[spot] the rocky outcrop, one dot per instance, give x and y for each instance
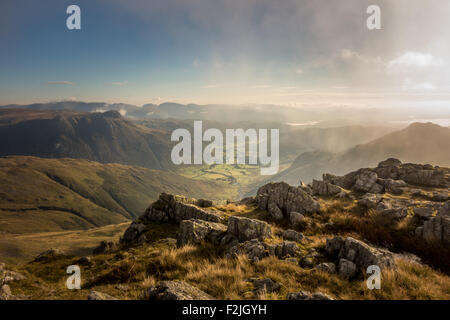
(366, 181)
(358, 252)
(134, 233)
(6, 277)
(305, 295)
(171, 209)
(392, 176)
(247, 229)
(174, 208)
(323, 188)
(197, 231)
(436, 229)
(392, 210)
(257, 250)
(175, 290)
(280, 199)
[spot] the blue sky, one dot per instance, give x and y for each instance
(294, 52)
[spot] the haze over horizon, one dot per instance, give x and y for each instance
(294, 53)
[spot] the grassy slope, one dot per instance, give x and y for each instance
(43, 195)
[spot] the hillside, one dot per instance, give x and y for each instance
(309, 242)
(418, 143)
(41, 195)
(103, 137)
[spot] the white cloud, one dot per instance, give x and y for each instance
(412, 59)
(418, 86)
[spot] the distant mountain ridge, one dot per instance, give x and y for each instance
(104, 137)
(418, 143)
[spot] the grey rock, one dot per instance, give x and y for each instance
(424, 212)
(254, 249)
(366, 181)
(197, 231)
(176, 290)
(304, 295)
(175, 208)
(296, 219)
(323, 188)
(440, 196)
(246, 229)
(328, 267)
(359, 252)
(287, 249)
(264, 285)
(292, 235)
(134, 233)
(436, 229)
(347, 269)
(370, 200)
(280, 199)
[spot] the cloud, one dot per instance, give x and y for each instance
(299, 71)
(413, 59)
(70, 83)
(418, 86)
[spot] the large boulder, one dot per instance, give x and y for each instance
(391, 211)
(176, 290)
(246, 229)
(196, 231)
(366, 181)
(323, 188)
(174, 208)
(257, 250)
(358, 252)
(254, 249)
(436, 229)
(280, 199)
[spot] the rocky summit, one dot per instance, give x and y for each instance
(287, 242)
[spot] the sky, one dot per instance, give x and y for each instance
(286, 52)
